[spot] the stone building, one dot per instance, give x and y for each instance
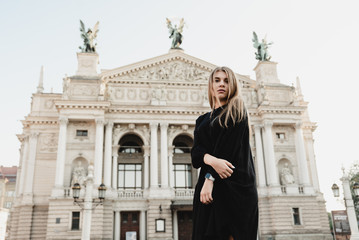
(7, 196)
(134, 124)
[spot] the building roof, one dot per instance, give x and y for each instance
(8, 172)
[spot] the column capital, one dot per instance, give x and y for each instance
(267, 123)
(298, 124)
(63, 120)
(115, 150)
(164, 125)
(109, 123)
(153, 125)
(170, 150)
(257, 126)
(33, 135)
(100, 121)
(146, 150)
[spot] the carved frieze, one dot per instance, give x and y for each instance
(48, 142)
(173, 71)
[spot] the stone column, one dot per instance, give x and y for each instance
(170, 164)
(143, 225)
(154, 155)
(313, 166)
(114, 165)
(24, 158)
(87, 210)
(259, 155)
(108, 146)
(30, 168)
(272, 171)
(175, 225)
(117, 225)
(98, 152)
(61, 153)
(146, 169)
(301, 156)
(350, 207)
(164, 155)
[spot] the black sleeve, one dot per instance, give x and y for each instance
(198, 150)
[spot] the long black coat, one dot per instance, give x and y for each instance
(234, 210)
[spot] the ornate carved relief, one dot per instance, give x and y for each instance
(175, 130)
(174, 71)
(48, 142)
(141, 130)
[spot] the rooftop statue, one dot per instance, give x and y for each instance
(262, 48)
(175, 33)
(88, 37)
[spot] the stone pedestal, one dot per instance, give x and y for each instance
(87, 64)
(266, 72)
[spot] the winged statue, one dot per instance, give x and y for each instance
(89, 37)
(175, 33)
(262, 48)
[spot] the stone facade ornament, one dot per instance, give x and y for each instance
(262, 48)
(89, 37)
(78, 174)
(175, 33)
(286, 175)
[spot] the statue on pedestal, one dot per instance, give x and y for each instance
(262, 48)
(78, 174)
(286, 176)
(175, 33)
(88, 37)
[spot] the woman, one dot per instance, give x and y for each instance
(225, 204)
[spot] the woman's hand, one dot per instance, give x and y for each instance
(221, 166)
(206, 192)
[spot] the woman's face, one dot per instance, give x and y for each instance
(220, 87)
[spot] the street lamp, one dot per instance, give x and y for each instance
(86, 203)
(349, 203)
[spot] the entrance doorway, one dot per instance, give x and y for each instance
(184, 225)
(130, 226)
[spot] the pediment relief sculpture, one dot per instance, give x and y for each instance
(177, 71)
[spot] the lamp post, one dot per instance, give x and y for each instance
(349, 203)
(86, 203)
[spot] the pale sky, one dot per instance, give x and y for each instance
(315, 40)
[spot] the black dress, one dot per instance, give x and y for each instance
(234, 210)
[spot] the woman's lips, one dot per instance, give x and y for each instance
(221, 91)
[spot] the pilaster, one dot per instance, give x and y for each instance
(98, 151)
(164, 155)
(154, 155)
(107, 163)
(61, 153)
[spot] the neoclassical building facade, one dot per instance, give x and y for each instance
(134, 124)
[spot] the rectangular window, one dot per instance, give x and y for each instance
(296, 216)
(280, 136)
(8, 204)
(182, 175)
(10, 193)
(75, 223)
(81, 133)
(130, 176)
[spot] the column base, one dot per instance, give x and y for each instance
(354, 236)
(274, 190)
(27, 199)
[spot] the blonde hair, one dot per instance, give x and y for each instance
(234, 110)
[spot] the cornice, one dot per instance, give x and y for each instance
(149, 82)
(156, 111)
(81, 105)
(279, 110)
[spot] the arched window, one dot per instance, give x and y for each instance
(130, 162)
(183, 173)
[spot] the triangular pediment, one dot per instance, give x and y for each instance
(175, 66)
